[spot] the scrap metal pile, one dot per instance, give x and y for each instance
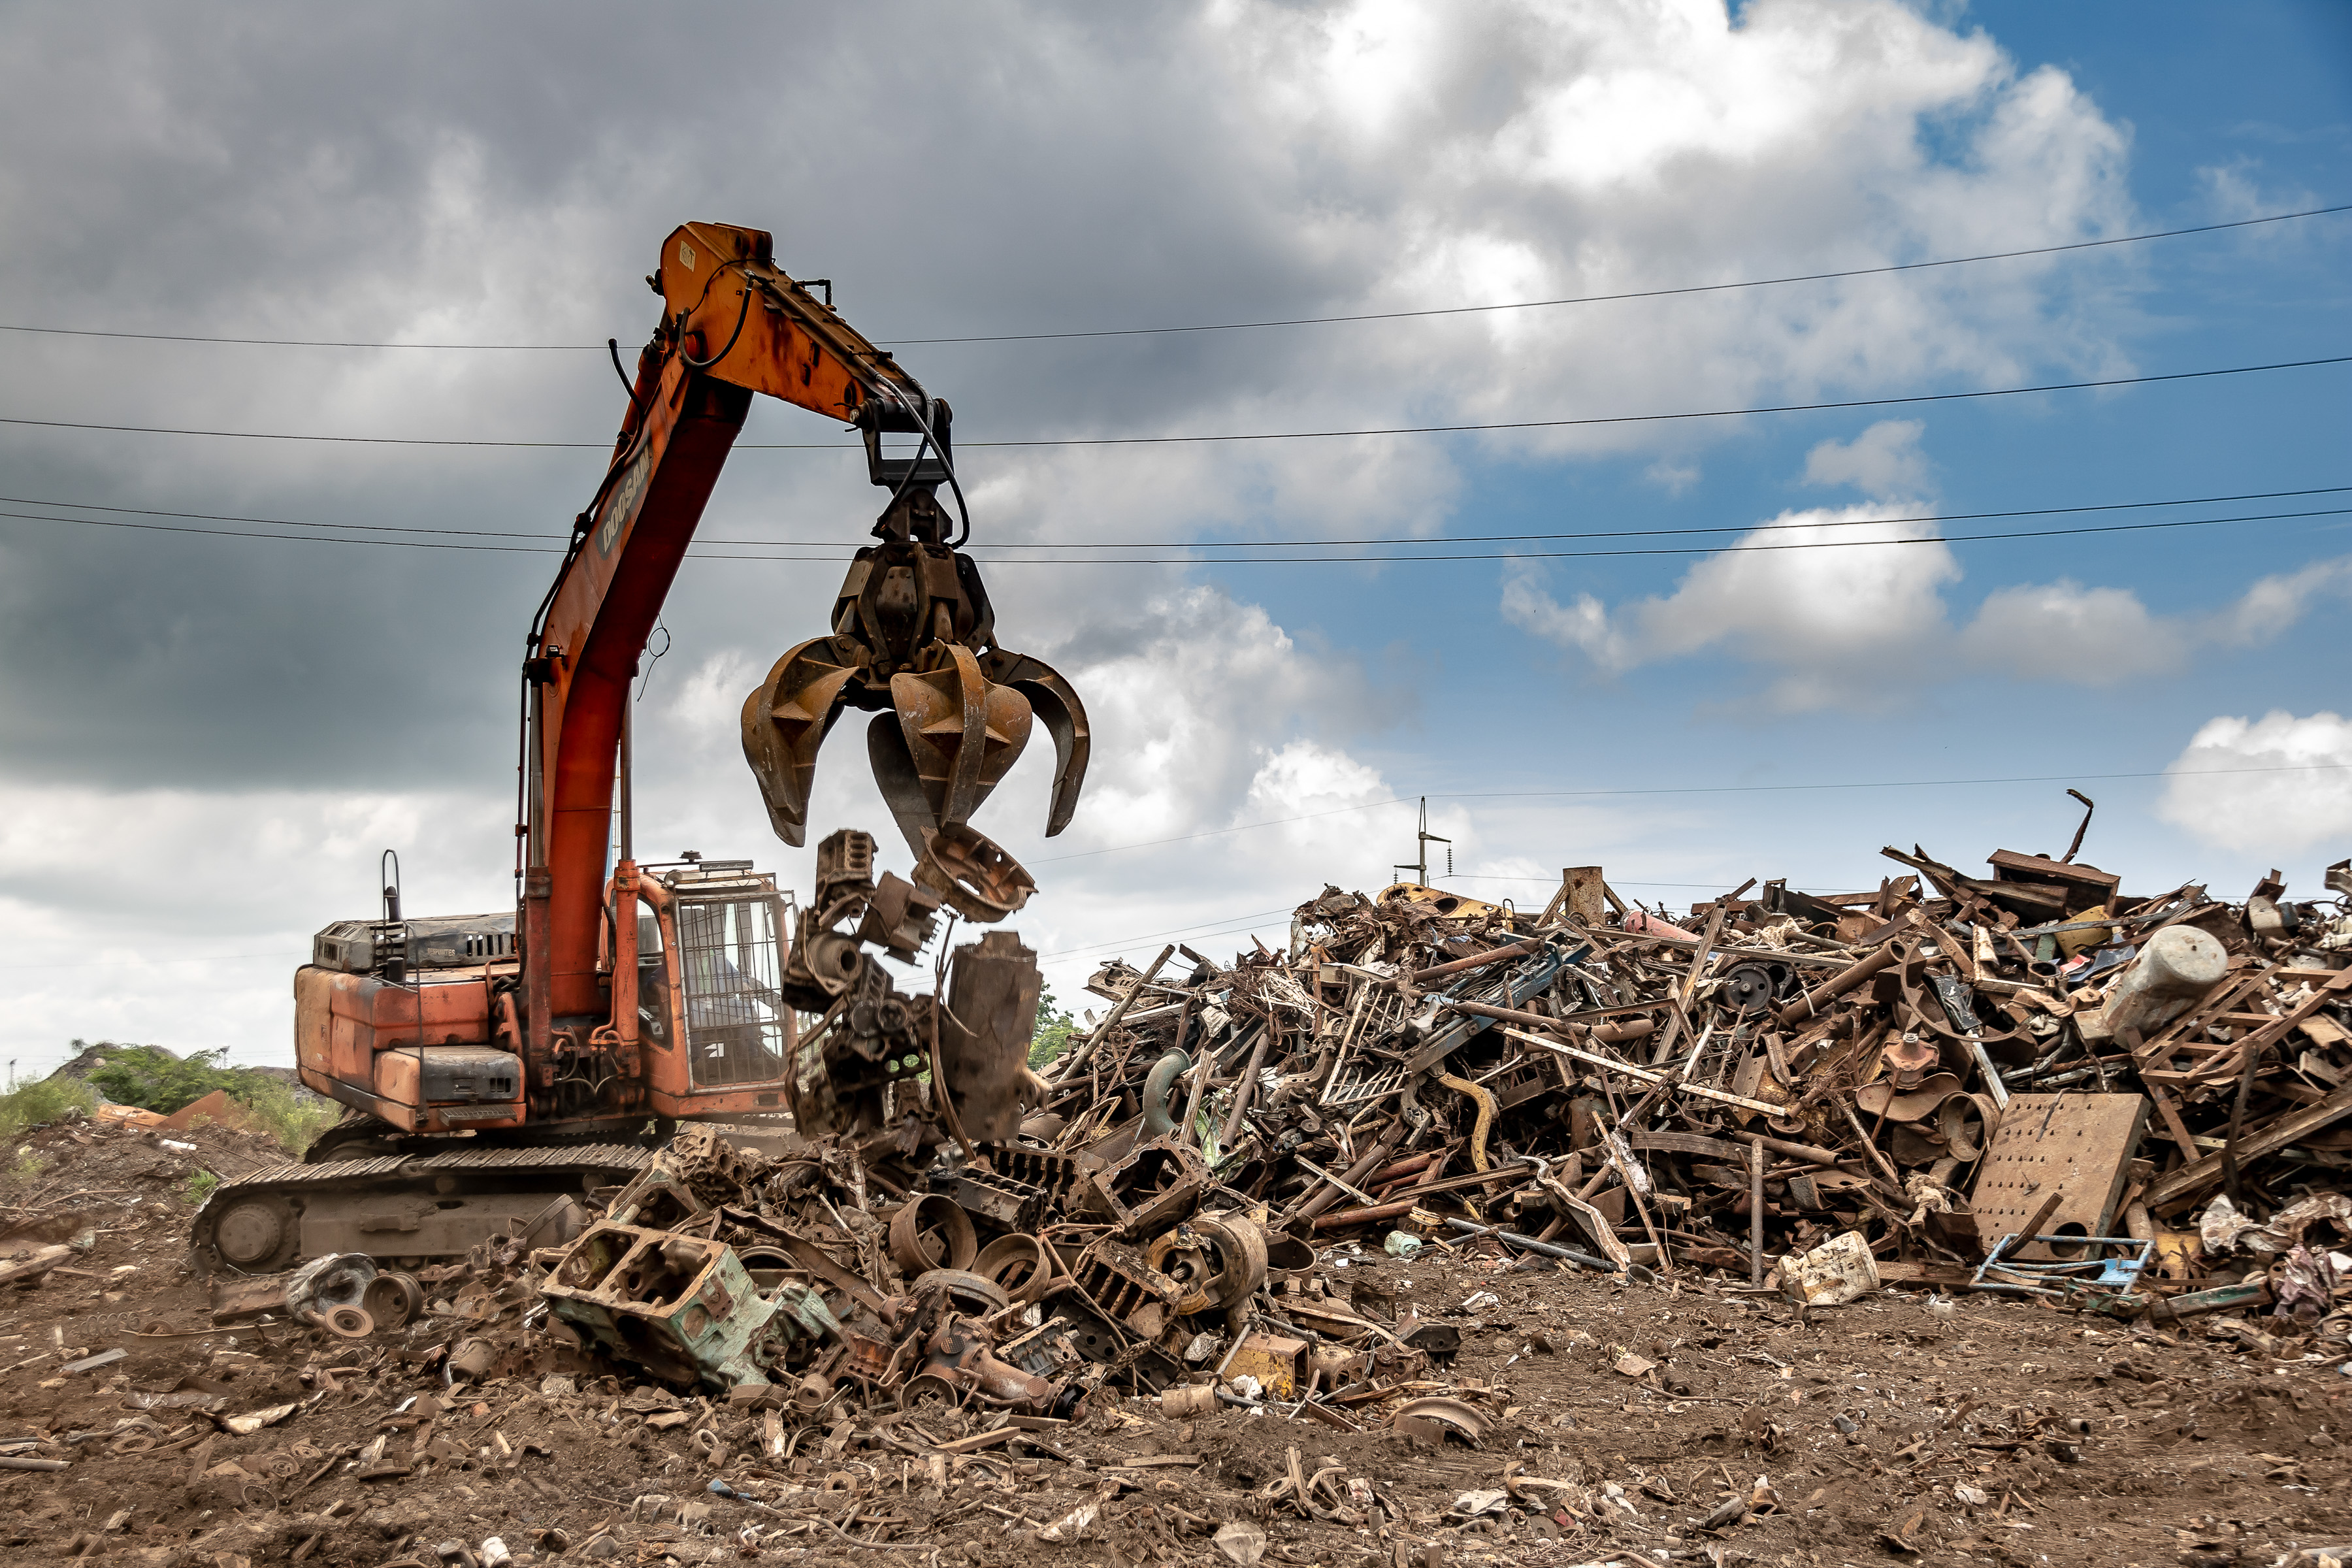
(2016, 1082)
(1947, 1081)
(837, 1274)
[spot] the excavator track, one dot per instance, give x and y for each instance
(401, 1209)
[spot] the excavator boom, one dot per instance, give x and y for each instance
(913, 635)
(734, 324)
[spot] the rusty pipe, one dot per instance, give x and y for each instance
(1810, 1153)
(1808, 1004)
(1404, 1167)
(1002, 1380)
(1345, 1217)
(1607, 1034)
(1476, 961)
(1245, 1090)
(1353, 1175)
(625, 950)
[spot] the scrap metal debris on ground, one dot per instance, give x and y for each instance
(1192, 1259)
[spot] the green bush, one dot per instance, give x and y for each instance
(1051, 1035)
(155, 1079)
(38, 1103)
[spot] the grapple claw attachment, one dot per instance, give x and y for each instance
(913, 638)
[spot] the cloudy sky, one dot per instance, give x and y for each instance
(234, 668)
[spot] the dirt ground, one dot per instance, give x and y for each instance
(2003, 1431)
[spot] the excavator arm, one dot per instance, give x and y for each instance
(912, 636)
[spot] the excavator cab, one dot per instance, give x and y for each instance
(724, 925)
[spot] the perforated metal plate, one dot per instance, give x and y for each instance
(2081, 1144)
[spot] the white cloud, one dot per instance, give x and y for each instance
(1672, 474)
(1537, 151)
(1583, 625)
(2064, 631)
(1884, 460)
(2308, 802)
(2234, 192)
(1367, 155)
(1858, 627)
(2099, 636)
(1843, 626)
(2272, 606)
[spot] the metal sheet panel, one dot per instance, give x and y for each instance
(2081, 1144)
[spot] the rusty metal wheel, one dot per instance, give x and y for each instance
(394, 1299)
(254, 1234)
(347, 1323)
(932, 1231)
(1023, 1267)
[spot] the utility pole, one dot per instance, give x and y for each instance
(1422, 839)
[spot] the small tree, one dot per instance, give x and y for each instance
(1052, 1036)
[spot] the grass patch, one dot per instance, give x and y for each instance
(295, 1121)
(199, 1187)
(42, 1101)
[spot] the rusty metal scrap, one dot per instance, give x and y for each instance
(1607, 1085)
(1999, 1083)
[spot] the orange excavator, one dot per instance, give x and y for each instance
(495, 1067)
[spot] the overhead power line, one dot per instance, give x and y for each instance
(1418, 541)
(1629, 294)
(1751, 545)
(1257, 325)
(1597, 419)
(1433, 539)
(842, 554)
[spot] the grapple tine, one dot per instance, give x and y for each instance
(901, 785)
(961, 731)
(1055, 702)
(786, 720)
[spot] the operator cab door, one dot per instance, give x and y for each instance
(738, 1025)
(655, 1018)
